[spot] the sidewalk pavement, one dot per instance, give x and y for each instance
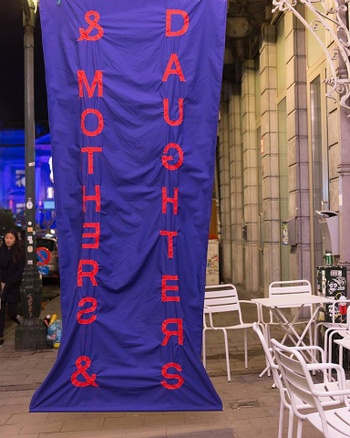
(250, 403)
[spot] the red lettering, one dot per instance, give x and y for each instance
(83, 364)
(166, 159)
(100, 122)
(166, 287)
(166, 375)
(97, 81)
(168, 333)
(95, 236)
(96, 197)
(174, 200)
(89, 274)
(90, 151)
(186, 22)
(90, 309)
(173, 71)
(166, 112)
(85, 33)
(170, 235)
(177, 24)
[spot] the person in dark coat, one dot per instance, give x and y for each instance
(12, 263)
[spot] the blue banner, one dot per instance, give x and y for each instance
(133, 97)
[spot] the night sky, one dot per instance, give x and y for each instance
(12, 67)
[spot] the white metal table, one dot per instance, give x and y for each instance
(279, 305)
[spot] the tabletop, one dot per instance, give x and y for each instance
(291, 300)
(344, 342)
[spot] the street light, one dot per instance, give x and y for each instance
(31, 334)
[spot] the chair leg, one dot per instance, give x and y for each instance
(328, 345)
(245, 349)
(280, 426)
(311, 337)
(204, 350)
(265, 331)
(227, 356)
(300, 428)
(290, 423)
(330, 350)
(316, 334)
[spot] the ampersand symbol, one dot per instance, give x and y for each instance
(81, 369)
(93, 24)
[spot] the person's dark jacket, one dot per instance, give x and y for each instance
(11, 273)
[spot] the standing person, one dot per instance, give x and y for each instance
(12, 262)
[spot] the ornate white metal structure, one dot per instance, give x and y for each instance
(332, 15)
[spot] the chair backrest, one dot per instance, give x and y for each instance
(221, 298)
(290, 287)
(297, 380)
(294, 287)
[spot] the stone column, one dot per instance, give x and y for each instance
(236, 184)
(250, 182)
(224, 192)
(298, 155)
(269, 151)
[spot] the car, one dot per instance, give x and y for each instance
(47, 256)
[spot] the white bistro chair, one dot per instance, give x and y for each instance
(283, 288)
(334, 325)
(325, 385)
(333, 331)
(221, 304)
(333, 422)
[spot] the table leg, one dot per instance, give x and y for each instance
(340, 355)
(291, 333)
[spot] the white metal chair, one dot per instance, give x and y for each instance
(285, 403)
(333, 422)
(338, 321)
(342, 330)
(222, 300)
(282, 288)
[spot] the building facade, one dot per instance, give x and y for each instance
(284, 147)
(12, 177)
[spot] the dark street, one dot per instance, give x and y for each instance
(51, 289)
